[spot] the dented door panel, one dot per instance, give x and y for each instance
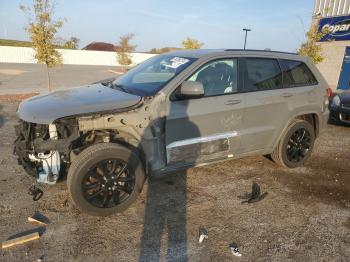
(204, 129)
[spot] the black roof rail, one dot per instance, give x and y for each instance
(256, 50)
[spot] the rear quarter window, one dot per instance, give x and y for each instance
(262, 74)
(297, 73)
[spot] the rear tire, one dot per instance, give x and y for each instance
(105, 179)
(296, 145)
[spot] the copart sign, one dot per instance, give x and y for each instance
(337, 28)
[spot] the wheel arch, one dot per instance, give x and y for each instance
(310, 116)
(122, 138)
(313, 119)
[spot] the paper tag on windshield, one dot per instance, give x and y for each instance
(177, 61)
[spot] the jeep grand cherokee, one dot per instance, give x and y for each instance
(171, 112)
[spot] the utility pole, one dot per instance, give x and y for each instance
(246, 33)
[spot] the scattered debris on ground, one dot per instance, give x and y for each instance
(20, 240)
(38, 219)
(29, 235)
(303, 218)
(254, 196)
(202, 233)
(36, 192)
(235, 250)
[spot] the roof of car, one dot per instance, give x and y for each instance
(198, 53)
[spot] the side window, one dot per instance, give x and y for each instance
(218, 77)
(262, 74)
(297, 73)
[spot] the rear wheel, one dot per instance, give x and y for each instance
(296, 145)
(105, 179)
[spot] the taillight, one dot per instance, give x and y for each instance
(329, 92)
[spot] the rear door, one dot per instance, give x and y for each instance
(266, 109)
(299, 81)
(208, 128)
(276, 90)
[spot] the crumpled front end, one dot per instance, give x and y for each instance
(43, 150)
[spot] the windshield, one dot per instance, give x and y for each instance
(149, 77)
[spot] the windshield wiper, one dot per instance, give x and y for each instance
(120, 87)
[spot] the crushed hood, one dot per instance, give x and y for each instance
(44, 109)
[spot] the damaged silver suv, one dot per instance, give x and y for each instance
(173, 111)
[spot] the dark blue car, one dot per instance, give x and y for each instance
(340, 108)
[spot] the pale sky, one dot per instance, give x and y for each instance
(276, 24)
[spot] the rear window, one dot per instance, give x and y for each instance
(262, 74)
(297, 73)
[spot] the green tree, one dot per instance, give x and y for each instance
(311, 47)
(42, 30)
(72, 43)
(190, 43)
(124, 48)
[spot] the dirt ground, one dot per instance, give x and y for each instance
(305, 216)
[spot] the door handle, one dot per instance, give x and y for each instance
(287, 95)
(233, 102)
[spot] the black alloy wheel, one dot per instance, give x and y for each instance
(298, 145)
(108, 183)
(295, 145)
(105, 179)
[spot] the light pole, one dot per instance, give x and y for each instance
(246, 33)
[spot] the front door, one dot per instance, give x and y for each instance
(207, 128)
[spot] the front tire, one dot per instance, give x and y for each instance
(105, 179)
(296, 145)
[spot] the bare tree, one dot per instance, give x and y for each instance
(42, 30)
(124, 48)
(72, 43)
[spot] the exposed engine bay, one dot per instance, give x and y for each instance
(50, 163)
(43, 150)
(47, 150)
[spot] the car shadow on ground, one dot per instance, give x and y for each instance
(165, 208)
(165, 217)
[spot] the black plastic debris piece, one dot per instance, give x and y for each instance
(254, 196)
(202, 234)
(36, 192)
(235, 250)
(41, 217)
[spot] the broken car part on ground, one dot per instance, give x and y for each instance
(254, 196)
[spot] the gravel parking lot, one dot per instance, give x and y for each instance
(305, 216)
